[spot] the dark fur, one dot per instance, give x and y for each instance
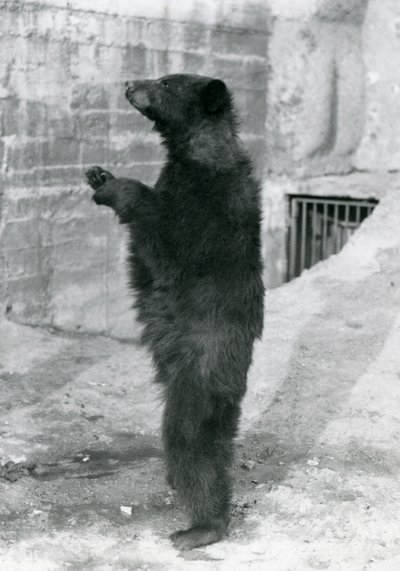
(195, 261)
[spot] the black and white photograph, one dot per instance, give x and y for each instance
(199, 285)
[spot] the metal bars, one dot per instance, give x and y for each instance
(319, 227)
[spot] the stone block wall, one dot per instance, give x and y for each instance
(62, 109)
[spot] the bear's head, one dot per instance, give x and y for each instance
(182, 105)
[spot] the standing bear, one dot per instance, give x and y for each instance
(196, 270)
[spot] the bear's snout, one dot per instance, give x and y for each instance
(137, 93)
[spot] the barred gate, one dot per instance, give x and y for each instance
(319, 227)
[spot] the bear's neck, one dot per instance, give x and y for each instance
(214, 146)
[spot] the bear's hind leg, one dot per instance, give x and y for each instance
(198, 434)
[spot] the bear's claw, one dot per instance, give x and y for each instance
(97, 176)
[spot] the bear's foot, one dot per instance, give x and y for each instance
(196, 537)
(97, 176)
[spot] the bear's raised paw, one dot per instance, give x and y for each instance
(97, 176)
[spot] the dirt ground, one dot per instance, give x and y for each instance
(318, 457)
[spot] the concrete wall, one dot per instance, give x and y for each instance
(316, 89)
(380, 145)
(62, 106)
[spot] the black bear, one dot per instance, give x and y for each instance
(195, 266)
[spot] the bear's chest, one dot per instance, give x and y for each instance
(189, 215)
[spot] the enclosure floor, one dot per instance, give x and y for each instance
(318, 457)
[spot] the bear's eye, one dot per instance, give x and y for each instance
(165, 83)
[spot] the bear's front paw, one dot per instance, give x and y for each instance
(105, 196)
(97, 176)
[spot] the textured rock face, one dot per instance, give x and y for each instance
(334, 86)
(380, 145)
(316, 91)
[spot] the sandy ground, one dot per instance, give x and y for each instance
(318, 458)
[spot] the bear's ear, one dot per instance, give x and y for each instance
(214, 95)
